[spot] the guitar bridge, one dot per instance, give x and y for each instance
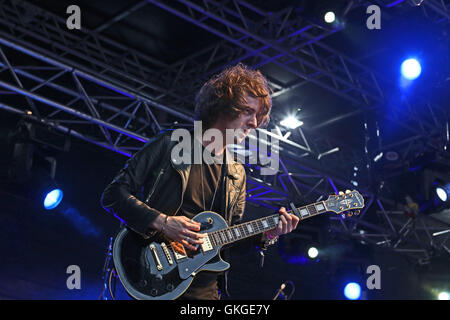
(167, 253)
(155, 255)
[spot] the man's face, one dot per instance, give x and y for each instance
(246, 121)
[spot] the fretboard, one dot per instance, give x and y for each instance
(251, 228)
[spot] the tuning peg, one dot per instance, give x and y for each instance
(343, 216)
(341, 193)
(357, 212)
(347, 191)
(349, 214)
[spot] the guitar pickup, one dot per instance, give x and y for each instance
(207, 245)
(178, 250)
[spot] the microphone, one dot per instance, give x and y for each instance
(280, 291)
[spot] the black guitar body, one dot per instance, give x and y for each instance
(150, 270)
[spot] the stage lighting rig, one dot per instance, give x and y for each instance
(333, 12)
(411, 69)
(291, 122)
(313, 252)
(329, 17)
(352, 291)
(32, 165)
(443, 191)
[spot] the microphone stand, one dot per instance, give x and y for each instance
(106, 269)
(281, 292)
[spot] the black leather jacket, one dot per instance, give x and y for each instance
(134, 196)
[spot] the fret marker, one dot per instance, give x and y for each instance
(249, 227)
(320, 207)
(265, 225)
(303, 212)
(237, 232)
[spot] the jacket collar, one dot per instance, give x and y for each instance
(232, 170)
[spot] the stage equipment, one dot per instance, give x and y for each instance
(329, 17)
(280, 292)
(291, 122)
(443, 192)
(108, 272)
(31, 168)
(352, 291)
(53, 199)
(411, 69)
(313, 252)
(443, 296)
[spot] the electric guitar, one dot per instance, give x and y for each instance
(158, 269)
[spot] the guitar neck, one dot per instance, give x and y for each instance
(258, 226)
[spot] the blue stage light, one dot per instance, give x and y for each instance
(411, 69)
(443, 192)
(352, 291)
(53, 199)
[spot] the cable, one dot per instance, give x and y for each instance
(109, 283)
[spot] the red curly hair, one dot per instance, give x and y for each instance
(223, 96)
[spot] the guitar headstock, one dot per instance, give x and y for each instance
(350, 201)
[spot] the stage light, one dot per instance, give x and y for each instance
(329, 17)
(291, 122)
(53, 199)
(411, 69)
(352, 291)
(313, 252)
(443, 192)
(443, 296)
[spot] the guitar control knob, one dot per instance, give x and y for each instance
(210, 220)
(154, 292)
(170, 287)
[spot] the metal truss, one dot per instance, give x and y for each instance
(418, 236)
(65, 99)
(88, 51)
(302, 56)
(437, 11)
(77, 103)
(317, 63)
(97, 58)
(143, 77)
(305, 58)
(69, 100)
